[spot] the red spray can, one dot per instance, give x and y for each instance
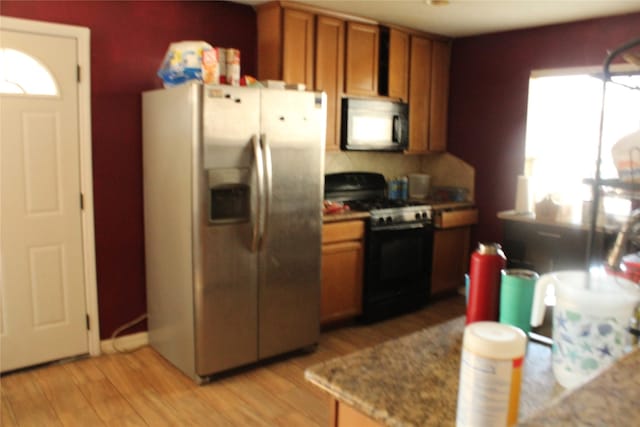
(484, 282)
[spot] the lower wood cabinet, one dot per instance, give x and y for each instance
(342, 266)
(343, 415)
(451, 249)
(450, 259)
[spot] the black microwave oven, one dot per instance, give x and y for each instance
(374, 125)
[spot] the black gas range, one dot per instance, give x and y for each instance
(398, 243)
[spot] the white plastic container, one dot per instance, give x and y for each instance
(590, 318)
(490, 374)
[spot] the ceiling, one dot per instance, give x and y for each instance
(462, 18)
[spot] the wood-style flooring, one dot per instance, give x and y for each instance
(141, 388)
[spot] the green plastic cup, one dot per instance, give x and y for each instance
(516, 297)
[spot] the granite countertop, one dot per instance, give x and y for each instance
(413, 381)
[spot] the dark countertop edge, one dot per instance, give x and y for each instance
(530, 218)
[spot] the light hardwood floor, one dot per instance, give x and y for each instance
(142, 389)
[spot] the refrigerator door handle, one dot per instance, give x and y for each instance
(269, 184)
(259, 162)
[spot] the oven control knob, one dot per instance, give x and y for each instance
(424, 215)
(380, 221)
(388, 220)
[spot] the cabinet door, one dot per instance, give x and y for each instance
(341, 295)
(362, 59)
(419, 95)
(441, 58)
(269, 35)
(398, 64)
(450, 259)
(329, 72)
(297, 47)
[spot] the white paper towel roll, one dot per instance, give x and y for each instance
(523, 198)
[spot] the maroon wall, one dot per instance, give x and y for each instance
(128, 42)
(488, 99)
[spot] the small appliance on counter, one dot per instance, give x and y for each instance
(419, 185)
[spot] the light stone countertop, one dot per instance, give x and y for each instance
(413, 381)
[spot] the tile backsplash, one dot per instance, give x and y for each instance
(388, 164)
(445, 169)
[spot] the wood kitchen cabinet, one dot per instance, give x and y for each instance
(419, 94)
(362, 59)
(451, 249)
(439, 108)
(394, 64)
(299, 46)
(286, 44)
(329, 72)
(428, 95)
(450, 259)
(342, 266)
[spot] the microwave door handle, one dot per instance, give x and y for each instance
(396, 129)
(259, 165)
(268, 168)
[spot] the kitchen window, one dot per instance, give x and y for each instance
(563, 128)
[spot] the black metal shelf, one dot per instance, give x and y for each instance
(616, 187)
(624, 189)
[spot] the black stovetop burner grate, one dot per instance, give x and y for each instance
(377, 203)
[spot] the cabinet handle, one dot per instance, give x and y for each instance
(552, 235)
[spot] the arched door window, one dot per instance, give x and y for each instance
(21, 74)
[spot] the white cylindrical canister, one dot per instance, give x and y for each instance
(490, 374)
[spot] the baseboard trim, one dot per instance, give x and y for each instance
(125, 343)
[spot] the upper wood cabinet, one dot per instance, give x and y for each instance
(340, 55)
(297, 47)
(361, 66)
(428, 95)
(419, 94)
(398, 64)
(329, 72)
(302, 47)
(440, 68)
(285, 44)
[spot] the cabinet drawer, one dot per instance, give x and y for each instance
(342, 231)
(456, 218)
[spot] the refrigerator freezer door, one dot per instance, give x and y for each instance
(293, 129)
(226, 291)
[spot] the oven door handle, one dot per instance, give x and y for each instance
(410, 226)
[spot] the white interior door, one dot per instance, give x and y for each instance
(42, 288)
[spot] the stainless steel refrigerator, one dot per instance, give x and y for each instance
(233, 188)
